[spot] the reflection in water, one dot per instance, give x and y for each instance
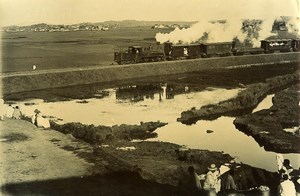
(133, 104)
(138, 93)
(111, 111)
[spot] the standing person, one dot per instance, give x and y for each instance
(286, 187)
(2, 109)
(286, 168)
(17, 113)
(212, 183)
(194, 179)
(228, 185)
(34, 116)
(9, 111)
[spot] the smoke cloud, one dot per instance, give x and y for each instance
(245, 31)
(293, 26)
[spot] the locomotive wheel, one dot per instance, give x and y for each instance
(146, 60)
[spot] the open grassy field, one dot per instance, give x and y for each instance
(55, 50)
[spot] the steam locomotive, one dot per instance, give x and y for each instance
(138, 54)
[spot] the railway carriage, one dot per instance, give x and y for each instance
(188, 51)
(216, 49)
(278, 45)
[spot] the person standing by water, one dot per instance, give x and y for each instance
(228, 184)
(9, 111)
(194, 179)
(212, 183)
(34, 116)
(17, 113)
(2, 109)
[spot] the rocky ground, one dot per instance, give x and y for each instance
(267, 126)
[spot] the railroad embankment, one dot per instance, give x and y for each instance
(45, 79)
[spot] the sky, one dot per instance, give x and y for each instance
(25, 12)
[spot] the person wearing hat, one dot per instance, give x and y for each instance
(40, 121)
(286, 168)
(212, 183)
(34, 116)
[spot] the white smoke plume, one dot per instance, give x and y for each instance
(293, 26)
(264, 31)
(211, 32)
(220, 31)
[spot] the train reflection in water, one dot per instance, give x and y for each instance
(138, 93)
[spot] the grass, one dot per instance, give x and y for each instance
(54, 50)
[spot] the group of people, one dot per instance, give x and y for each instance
(289, 178)
(9, 111)
(211, 183)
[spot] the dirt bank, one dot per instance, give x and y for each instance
(267, 126)
(32, 154)
(245, 101)
(29, 81)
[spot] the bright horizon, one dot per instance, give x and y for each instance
(27, 12)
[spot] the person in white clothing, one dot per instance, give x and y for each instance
(2, 109)
(286, 187)
(38, 120)
(42, 122)
(212, 183)
(9, 111)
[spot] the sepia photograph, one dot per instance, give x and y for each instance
(150, 97)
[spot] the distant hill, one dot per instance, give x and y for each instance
(121, 23)
(136, 23)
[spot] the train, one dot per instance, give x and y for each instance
(138, 54)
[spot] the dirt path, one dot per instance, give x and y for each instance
(29, 154)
